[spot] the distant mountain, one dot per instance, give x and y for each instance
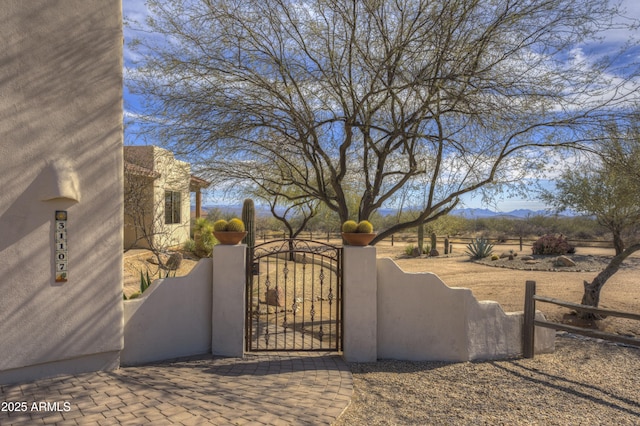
(473, 213)
(233, 209)
(469, 213)
(526, 212)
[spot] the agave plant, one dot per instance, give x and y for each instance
(479, 248)
(145, 282)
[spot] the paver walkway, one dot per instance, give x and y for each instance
(259, 389)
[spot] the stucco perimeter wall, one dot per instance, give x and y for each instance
(60, 149)
(171, 319)
(421, 319)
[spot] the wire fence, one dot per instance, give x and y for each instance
(411, 238)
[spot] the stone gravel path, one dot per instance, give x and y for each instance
(585, 382)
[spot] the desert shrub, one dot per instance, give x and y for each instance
(552, 244)
(189, 246)
(479, 248)
(408, 250)
(204, 239)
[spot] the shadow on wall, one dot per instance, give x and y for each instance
(55, 185)
(61, 132)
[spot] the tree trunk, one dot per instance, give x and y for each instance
(618, 243)
(591, 296)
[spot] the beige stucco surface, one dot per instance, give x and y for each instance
(60, 149)
(420, 318)
(171, 319)
(360, 314)
(228, 298)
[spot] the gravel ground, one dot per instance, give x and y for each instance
(583, 263)
(585, 382)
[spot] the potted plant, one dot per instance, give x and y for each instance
(229, 233)
(358, 234)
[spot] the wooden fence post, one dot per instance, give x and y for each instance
(528, 328)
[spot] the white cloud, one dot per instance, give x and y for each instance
(631, 10)
(135, 13)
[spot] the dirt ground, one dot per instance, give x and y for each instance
(139, 260)
(501, 284)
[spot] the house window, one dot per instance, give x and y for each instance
(172, 203)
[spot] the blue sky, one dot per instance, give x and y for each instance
(136, 10)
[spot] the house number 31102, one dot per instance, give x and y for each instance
(61, 253)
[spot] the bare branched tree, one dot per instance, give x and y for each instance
(370, 96)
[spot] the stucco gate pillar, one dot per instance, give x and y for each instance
(360, 313)
(228, 313)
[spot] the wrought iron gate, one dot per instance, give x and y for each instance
(294, 296)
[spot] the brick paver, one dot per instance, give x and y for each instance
(269, 389)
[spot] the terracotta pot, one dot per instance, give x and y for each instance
(358, 238)
(229, 238)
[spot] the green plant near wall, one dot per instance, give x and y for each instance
(204, 239)
(190, 246)
(145, 281)
(479, 248)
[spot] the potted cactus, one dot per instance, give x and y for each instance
(229, 233)
(358, 234)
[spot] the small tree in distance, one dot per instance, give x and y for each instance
(607, 187)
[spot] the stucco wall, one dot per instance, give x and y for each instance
(420, 318)
(60, 149)
(389, 314)
(171, 319)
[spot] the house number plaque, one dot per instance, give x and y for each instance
(61, 252)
